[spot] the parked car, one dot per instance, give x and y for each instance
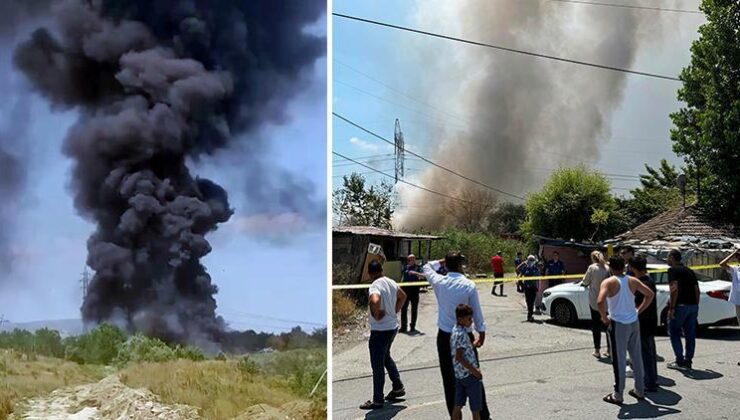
(567, 303)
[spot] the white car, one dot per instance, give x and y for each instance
(567, 303)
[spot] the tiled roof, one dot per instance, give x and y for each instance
(681, 223)
(373, 231)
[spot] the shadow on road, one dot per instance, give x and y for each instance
(644, 410)
(701, 375)
(663, 381)
(664, 397)
(387, 412)
(719, 333)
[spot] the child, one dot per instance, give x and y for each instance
(468, 378)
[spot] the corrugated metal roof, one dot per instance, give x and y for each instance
(374, 231)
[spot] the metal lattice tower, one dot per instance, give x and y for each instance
(85, 280)
(400, 151)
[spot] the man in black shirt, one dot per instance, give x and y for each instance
(683, 310)
(648, 324)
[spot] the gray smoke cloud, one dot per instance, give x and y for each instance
(521, 113)
(13, 174)
(158, 84)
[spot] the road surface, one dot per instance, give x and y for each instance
(540, 371)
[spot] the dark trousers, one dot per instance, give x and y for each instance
(649, 361)
(413, 301)
(684, 318)
(444, 353)
(381, 360)
(498, 283)
(597, 327)
(530, 294)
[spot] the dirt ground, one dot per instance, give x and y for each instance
(107, 399)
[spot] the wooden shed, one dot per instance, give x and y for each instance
(351, 246)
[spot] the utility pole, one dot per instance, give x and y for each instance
(400, 150)
(2, 321)
(85, 282)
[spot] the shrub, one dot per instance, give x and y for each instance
(301, 370)
(140, 348)
(189, 352)
(99, 346)
(248, 367)
(343, 308)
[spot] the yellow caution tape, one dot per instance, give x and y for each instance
(511, 279)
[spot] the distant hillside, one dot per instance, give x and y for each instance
(64, 326)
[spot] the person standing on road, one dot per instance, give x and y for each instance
(735, 276)
(541, 285)
(735, 288)
(627, 253)
(411, 273)
(529, 269)
(648, 325)
(386, 300)
(595, 274)
(452, 290)
(617, 298)
(497, 265)
(517, 262)
(683, 310)
(468, 377)
(554, 267)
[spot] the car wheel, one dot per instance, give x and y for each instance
(563, 312)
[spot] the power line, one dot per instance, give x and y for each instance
(404, 181)
(512, 50)
(625, 6)
(380, 82)
(425, 159)
(252, 315)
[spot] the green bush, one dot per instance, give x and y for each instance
(140, 348)
(189, 352)
(99, 346)
(478, 248)
(301, 369)
(248, 367)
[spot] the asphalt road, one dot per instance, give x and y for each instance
(540, 371)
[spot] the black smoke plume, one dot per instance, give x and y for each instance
(158, 84)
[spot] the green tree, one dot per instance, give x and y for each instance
(658, 192)
(575, 203)
(706, 130)
(359, 205)
(507, 218)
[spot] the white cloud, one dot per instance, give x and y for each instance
(364, 145)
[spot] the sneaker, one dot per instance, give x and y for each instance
(676, 365)
(369, 405)
(395, 394)
(403, 330)
(629, 373)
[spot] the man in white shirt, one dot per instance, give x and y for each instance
(386, 300)
(452, 290)
(735, 277)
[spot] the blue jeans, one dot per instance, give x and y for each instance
(381, 360)
(684, 318)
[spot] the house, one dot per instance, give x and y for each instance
(700, 239)
(355, 246)
(575, 255)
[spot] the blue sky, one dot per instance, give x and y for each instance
(393, 61)
(254, 276)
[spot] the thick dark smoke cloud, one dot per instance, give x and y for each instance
(157, 84)
(523, 115)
